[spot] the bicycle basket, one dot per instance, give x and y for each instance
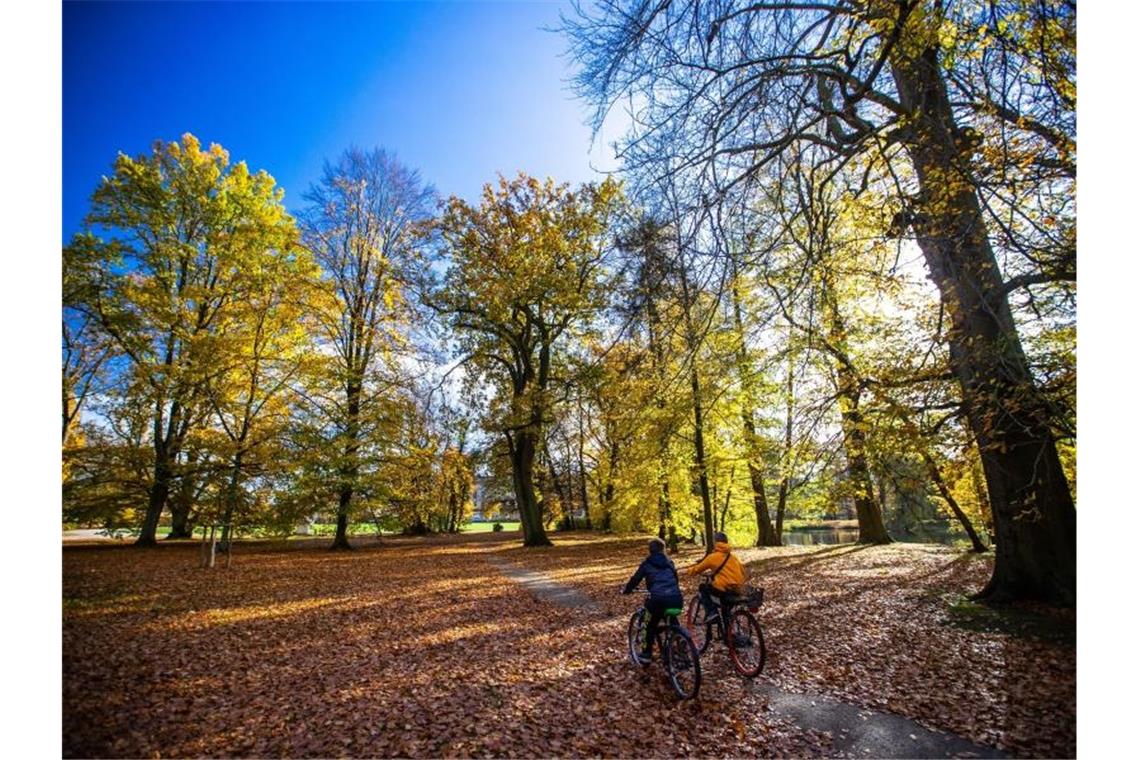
(752, 597)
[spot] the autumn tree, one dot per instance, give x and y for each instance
(972, 108)
(525, 267)
(456, 485)
(617, 397)
(361, 226)
(645, 306)
(169, 240)
(746, 369)
(268, 338)
(678, 249)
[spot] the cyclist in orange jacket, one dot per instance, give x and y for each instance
(727, 574)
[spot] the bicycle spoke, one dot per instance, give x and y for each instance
(745, 642)
(637, 625)
(682, 663)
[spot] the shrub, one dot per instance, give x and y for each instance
(497, 527)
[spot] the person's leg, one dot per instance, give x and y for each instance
(716, 598)
(740, 639)
(656, 613)
(706, 592)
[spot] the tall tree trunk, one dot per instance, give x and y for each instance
(166, 448)
(727, 498)
(522, 446)
(350, 469)
(181, 507)
(452, 525)
(232, 491)
(786, 459)
(872, 530)
(167, 445)
(156, 499)
(867, 509)
(699, 450)
(781, 505)
(567, 522)
(182, 504)
(765, 533)
(1034, 515)
(936, 476)
(666, 529)
(344, 500)
(692, 344)
(180, 511)
(582, 467)
(607, 505)
(608, 498)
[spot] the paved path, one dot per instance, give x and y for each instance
(543, 588)
(855, 731)
(860, 732)
(90, 534)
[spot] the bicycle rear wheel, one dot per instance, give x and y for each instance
(745, 641)
(637, 625)
(682, 662)
(696, 620)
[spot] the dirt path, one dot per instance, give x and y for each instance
(855, 731)
(545, 589)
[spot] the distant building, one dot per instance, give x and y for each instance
(493, 501)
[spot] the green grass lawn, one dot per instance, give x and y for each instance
(354, 529)
(487, 527)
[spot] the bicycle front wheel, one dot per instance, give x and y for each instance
(637, 625)
(745, 642)
(682, 662)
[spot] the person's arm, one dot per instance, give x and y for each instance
(636, 579)
(704, 564)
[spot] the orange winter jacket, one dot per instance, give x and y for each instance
(730, 576)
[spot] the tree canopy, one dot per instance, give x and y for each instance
(834, 278)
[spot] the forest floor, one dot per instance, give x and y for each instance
(428, 647)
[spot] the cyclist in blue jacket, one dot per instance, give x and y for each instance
(664, 589)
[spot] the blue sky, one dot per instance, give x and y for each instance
(459, 91)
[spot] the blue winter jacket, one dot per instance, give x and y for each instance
(660, 578)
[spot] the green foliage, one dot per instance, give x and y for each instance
(188, 243)
(526, 270)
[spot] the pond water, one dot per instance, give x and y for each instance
(820, 536)
(828, 534)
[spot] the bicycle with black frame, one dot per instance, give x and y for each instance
(733, 621)
(679, 655)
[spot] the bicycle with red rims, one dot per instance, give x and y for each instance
(734, 622)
